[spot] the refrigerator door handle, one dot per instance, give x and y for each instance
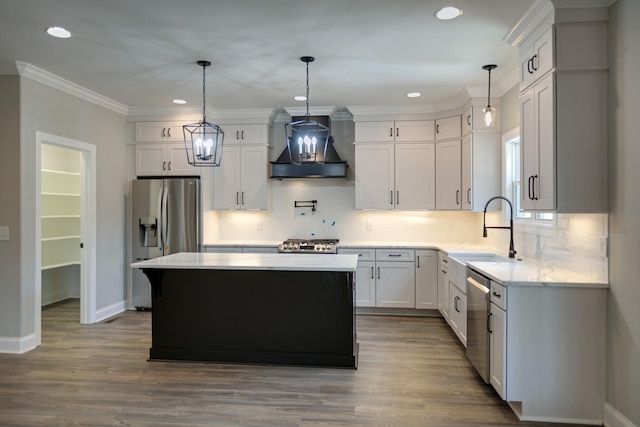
(161, 225)
(165, 220)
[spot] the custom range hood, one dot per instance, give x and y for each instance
(295, 162)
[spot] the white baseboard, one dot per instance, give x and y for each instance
(112, 310)
(18, 345)
(613, 418)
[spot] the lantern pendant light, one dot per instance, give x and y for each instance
(306, 137)
(489, 113)
(203, 140)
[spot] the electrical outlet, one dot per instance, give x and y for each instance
(259, 226)
(4, 233)
(369, 226)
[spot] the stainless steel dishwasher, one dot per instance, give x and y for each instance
(478, 308)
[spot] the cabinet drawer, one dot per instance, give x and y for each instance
(395, 254)
(364, 254)
(499, 295)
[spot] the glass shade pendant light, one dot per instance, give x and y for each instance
(203, 140)
(489, 113)
(305, 137)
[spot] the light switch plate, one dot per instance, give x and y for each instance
(4, 233)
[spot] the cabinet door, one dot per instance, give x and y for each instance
(177, 163)
(227, 178)
(498, 352)
(448, 128)
(528, 146)
(159, 131)
(443, 286)
(467, 121)
(467, 172)
(365, 284)
(374, 176)
(448, 175)
(414, 130)
(545, 135)
(458, 313)
(150, 160)
(245, 134)
(375, 131)
(395, 284)
(427, 279)
(415, 176)
(254, 179)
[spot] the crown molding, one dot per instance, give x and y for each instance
(536, 14)
(581, 4)
(167, 110)
(246, 115)
(37, 74)
(313, 111)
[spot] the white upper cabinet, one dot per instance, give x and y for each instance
(240, 183)
(467, 121)
(395, 176)
(481, 169)
(245, 134)
(448, 128)
(163, 159)
(448, 175)
(398, 131)
(159, 131)
(537, 59)
(563, 111)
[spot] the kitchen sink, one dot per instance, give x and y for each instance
(458, 266)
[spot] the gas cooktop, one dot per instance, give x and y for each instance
(309, 246)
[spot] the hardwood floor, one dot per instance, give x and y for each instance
(412, 372)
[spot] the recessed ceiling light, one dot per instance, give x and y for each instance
(414, 94)
(448, 12)
(58, 32)
(300, 98)
(179, 101)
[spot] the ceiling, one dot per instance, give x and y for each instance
(143, 53)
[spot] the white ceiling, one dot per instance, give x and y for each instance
(142, 53)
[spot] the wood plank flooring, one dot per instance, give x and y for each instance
(412, 372)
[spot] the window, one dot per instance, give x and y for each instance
(513, 185)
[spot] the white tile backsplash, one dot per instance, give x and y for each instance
(571, 241)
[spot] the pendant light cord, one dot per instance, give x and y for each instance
(489, 91)
(204, 95)
(307, 118)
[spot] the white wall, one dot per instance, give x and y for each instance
(623, 338)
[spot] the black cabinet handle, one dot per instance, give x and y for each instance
(237, 134)
(168, 132)
(372, 272)
(533, 63)
(169, 165)
(398, 197)
(495, 294)
(378, 272)
(395, 255)
(237, 197)
(489, 323)
(535, 178)
(391, 197)
(397, 132)
(437, 128)
(469, 119)
(164, 166)
(529, 187)
(242, 134)
(455, 303)
(164, 135)
(457, 197)
(242, 198)
(418, 261)
(391, 132)
(469, 195)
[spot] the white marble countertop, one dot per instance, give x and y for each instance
(234, 261)
(531, 273)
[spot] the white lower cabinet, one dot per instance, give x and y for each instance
(443, 285)
(426, 279)
(384, 277)
(458, 313)
(498, 349)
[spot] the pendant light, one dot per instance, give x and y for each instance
(203, 140)
(489, 113)
(305, 137)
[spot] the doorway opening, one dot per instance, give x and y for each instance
(66, 225)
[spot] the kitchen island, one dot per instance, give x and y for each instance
(291, 309)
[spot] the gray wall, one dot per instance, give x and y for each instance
(623, 375)
(42, 108)
(10, 205)
(510, 108)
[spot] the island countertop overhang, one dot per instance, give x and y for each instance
(247, 261)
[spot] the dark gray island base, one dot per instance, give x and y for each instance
(253, 316)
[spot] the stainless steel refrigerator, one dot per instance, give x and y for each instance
(165, 220)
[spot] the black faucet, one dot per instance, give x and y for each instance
(512, 251)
